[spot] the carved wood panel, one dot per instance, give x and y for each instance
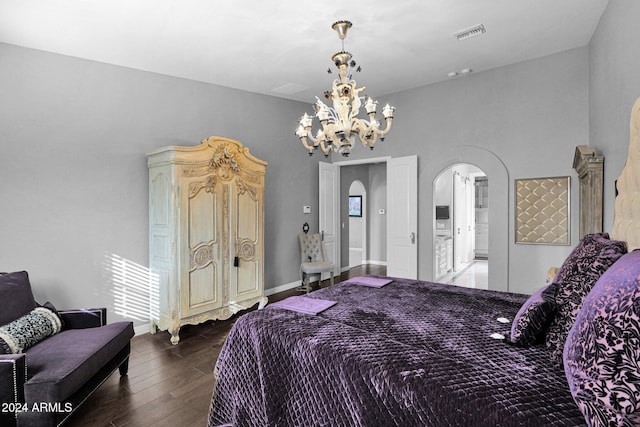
(590, 169)
(211, 205)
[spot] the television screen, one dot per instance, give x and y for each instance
(442, 212)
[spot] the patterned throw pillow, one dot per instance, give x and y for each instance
(28, 330)
(534, 316)
(583, 267)
(602, 352)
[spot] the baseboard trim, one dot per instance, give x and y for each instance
(141, 329)
(282, 288)
(365, 262)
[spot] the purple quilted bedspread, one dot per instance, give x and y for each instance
(408, 354)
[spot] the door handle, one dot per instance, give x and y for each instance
(412, 236)
(322, 235)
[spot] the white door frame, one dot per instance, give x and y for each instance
(374, 160)
(365, 219)
(352, 163)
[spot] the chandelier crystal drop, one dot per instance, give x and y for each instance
(340, 123)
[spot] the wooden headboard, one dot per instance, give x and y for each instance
(626, 222)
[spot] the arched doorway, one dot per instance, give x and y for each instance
(499, 221)
(460, 197)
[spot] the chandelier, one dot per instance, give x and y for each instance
(340, 124)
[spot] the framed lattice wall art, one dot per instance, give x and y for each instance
(542, 210)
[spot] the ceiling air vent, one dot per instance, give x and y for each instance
(476, 30)
(290, 89)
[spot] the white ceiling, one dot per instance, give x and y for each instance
(263, 45)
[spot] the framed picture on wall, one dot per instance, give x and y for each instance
(542, 211)
(355, 206)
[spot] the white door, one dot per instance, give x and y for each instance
(402, 220)
(471, 241)
(329, 211)
(459, 222)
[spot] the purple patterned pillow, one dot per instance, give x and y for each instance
(533, 317)
(602, 352)
(583, 267)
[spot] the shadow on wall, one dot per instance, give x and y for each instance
(131, 287)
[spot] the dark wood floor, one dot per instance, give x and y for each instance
(170, 385)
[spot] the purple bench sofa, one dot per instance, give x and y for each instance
(44, 379)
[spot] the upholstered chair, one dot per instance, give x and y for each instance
(312, 259)
(52, 360)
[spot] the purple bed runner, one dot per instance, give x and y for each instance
(302, 304)
(374, 282)
(407, 354)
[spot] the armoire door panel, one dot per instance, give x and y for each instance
(246, 233)
(159, 245)
(159, 230)
(247, 278)
(160, 205)
(246, 213)
(202, 290)
(203, 265)
(202, 217)
(159, 298)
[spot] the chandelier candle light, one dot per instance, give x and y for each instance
(340, 124)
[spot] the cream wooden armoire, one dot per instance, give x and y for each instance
(206, 238)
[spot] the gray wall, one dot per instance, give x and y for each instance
(614, 85)
(73, 174)
(348, 174)
(529, 116)
(377, 224)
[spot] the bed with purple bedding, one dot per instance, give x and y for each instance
(414, 353)
(410, 353)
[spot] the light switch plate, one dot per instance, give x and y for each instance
(306, 209)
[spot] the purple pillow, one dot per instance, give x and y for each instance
(602, 352)
(16, 296)
(583, 267)
(534, 316)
